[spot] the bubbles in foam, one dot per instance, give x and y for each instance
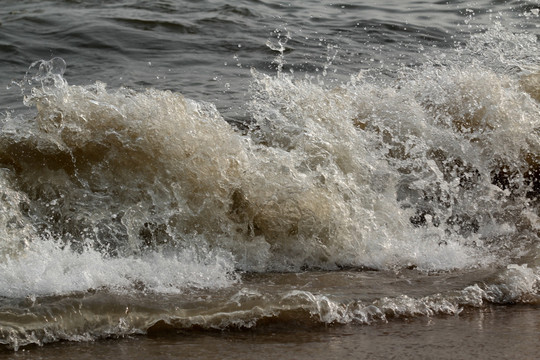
(435, 170)
(47, 268)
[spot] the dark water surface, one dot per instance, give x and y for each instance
(292, 179)
(198, 47)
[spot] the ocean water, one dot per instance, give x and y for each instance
(219, 170)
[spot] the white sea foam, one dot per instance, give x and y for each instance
(436, 170)
(46, 268)
(326, 177)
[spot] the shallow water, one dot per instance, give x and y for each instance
(270, 169)
(489, 333)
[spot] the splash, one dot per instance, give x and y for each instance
(131, 172)
(437, 169)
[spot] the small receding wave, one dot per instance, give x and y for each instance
(100, 314)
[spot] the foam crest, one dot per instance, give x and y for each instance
(424, 150)
(405, 191)
(437, 169)
(47, 268)
(129, 172)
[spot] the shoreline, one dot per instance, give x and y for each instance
(494, 332)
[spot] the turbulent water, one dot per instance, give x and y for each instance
(175, 165)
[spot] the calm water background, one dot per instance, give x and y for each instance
(205, 49)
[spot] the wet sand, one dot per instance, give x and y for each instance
(495, 332)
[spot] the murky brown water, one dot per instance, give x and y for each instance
(496, 332)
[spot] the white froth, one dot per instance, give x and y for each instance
(46, 269)
(434, 170)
